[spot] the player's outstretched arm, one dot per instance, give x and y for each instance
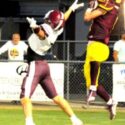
(72, 8)
(93, 11)
(90, 15)
(36, 28)
(99, 7)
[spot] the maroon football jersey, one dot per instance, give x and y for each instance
(102, 26)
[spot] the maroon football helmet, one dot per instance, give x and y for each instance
(55, 19)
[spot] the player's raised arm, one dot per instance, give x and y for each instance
(90, 15)
(97, 8)
(72, 8)
(93, 11)
(36, 28)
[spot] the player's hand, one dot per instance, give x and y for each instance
(76, 6)
(32, 22)
(93, 4)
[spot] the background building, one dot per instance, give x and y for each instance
(13, 13)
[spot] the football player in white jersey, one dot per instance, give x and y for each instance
(39, 43)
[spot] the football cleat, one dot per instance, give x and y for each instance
(77, 122)
(91, 96)
(30, 124)
(112, 111)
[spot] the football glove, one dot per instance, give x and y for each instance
(75, 6)
(32, 22)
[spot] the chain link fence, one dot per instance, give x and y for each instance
(72, 54)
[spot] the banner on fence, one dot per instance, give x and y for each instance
(119, 82)
(10, 81)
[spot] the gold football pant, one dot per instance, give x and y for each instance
(97, 52)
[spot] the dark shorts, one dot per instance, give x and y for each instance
(39, 73)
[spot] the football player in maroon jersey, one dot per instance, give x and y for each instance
(104, 14)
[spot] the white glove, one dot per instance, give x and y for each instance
(32, 22)
(75, 5)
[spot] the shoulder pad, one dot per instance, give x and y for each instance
(106, 4)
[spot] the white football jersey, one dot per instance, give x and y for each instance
(15, 52)
(40, 46)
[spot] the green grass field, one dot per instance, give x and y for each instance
(54, 116)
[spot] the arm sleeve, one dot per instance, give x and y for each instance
(4, 48)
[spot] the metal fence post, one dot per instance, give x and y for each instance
(68, 58)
